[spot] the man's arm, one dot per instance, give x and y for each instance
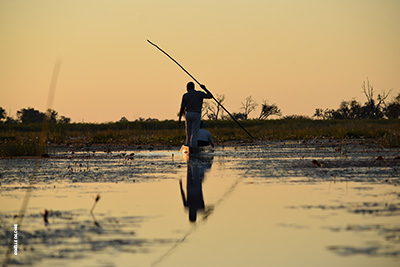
(181, 113)
(208, 95)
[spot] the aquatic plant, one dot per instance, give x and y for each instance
(390, 139)
(22, 147)
(95, 202)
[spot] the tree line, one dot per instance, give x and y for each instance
(31, 115)
(374, 108)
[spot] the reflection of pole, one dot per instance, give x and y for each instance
(182, 194)
(208, 212)
(233, 118)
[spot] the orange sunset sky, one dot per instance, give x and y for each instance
(301, 55)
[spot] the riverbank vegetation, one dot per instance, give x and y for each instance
(22, 139)
(377, 120)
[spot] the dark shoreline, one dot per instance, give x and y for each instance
(23, 140)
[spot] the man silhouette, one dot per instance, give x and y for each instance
(191, 106)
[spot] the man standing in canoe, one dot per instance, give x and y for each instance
(191, 106)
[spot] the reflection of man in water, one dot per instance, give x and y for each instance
(194, 200)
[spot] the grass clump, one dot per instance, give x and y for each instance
(22, 148)
(391, 139)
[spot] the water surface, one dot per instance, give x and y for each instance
(267, 204)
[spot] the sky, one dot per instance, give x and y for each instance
(301, 55)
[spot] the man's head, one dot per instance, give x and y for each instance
(190, 86)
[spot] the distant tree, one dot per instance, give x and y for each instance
(207, 110)
(2, 114)
(64, 120)
(268, 110)
(296, 117)
(240, 116)
(52, 115)
(123, 119)
(319, 113)
(354, 109)
(392, 111)
(10, 120)
(141, 119)
(151, 119)
(373, 109)
(344, 110)
(347, 110)
(248, 106)
(212, 110)
(329, 113)
(30, 115)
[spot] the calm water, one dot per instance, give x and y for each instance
(267, 204)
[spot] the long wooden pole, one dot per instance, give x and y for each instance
(233, 118)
